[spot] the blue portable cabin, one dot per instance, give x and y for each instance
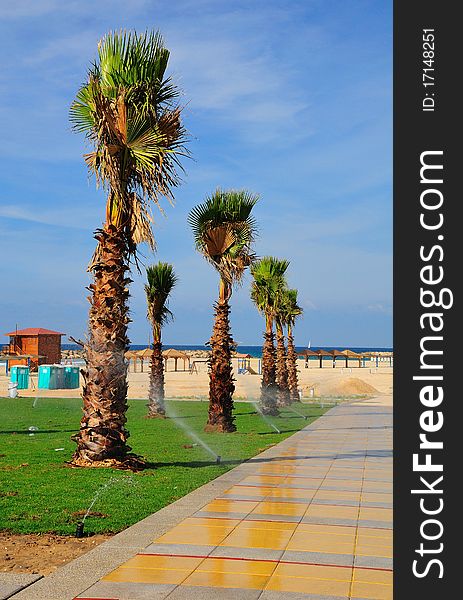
(71, 377)
(20, 375)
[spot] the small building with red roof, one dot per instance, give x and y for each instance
(43, 346)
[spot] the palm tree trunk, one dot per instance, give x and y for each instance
(221, 386)
(102, 439)
(292, 369)
(268, 390)
(281, 368)
(156, 406)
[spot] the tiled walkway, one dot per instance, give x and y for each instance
(312, 519)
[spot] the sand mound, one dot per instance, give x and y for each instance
(350, 387)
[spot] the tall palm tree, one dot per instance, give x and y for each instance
(224, 231)
(290, 311)
(161, 280)
(127, 110)
(268, 281)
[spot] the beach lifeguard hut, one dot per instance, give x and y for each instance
(43, 346)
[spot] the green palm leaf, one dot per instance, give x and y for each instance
(224, 231)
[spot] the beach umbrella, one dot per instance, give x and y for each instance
(351, 354)
(321, 354)
(306, 353)
(175, 354)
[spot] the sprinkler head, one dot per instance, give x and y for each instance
(80, 530)
(218, 459)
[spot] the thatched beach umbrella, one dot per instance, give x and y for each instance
(306, 353)
(351, 354)
(321, 354)
(335, 354)
(142, 354)
(175, 354)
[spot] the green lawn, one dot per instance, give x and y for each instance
(40, 493)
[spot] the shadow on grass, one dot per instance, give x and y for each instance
(38, 431)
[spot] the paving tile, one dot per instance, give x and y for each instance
(280, 508)
(249, 553)
(376, 562)
(370, 591)
(272, 517)
(335, 544)
(227, 580)
(178, 549)
(128, 591)
(186, 592)
(334, 581)
(318, 558)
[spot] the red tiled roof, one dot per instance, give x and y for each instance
(35, 331)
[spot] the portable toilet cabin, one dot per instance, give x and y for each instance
(71, 377)
(20, 375)
(51, 377)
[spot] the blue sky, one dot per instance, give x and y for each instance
(289, 99)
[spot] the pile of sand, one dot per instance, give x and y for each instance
(350, 387)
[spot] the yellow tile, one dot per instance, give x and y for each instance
(244, 490)
(267, 526)
(342, 483)
(291, 493)
(373, 550)
(242, 506)
(211, 523)
(227, 580)
(372, 591)
(374, 536)
(303, 585)
(372, 576)
(147, 576)
(333, 544)
(248, 567)
(375, 497)
(376, 514)
(258, 538)
(336, 512)
(146, 561)
(337, 495)
(314, 572)
(280, 508)
(262, 479)
(347, 533)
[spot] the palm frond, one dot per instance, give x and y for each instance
(161, 280)
(288, 308)
(224, 231)
(268, 284)
(127, 110)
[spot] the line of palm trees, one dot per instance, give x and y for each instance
(130, 114)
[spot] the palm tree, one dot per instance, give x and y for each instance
(127, 110)
(290, 312)
(224, 231)
(161, 281)
(268, 281)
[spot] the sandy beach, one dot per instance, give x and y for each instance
(313, 381)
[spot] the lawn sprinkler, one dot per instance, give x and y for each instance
(218, 459)
(80, 530)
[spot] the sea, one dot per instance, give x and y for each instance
(255, 351)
